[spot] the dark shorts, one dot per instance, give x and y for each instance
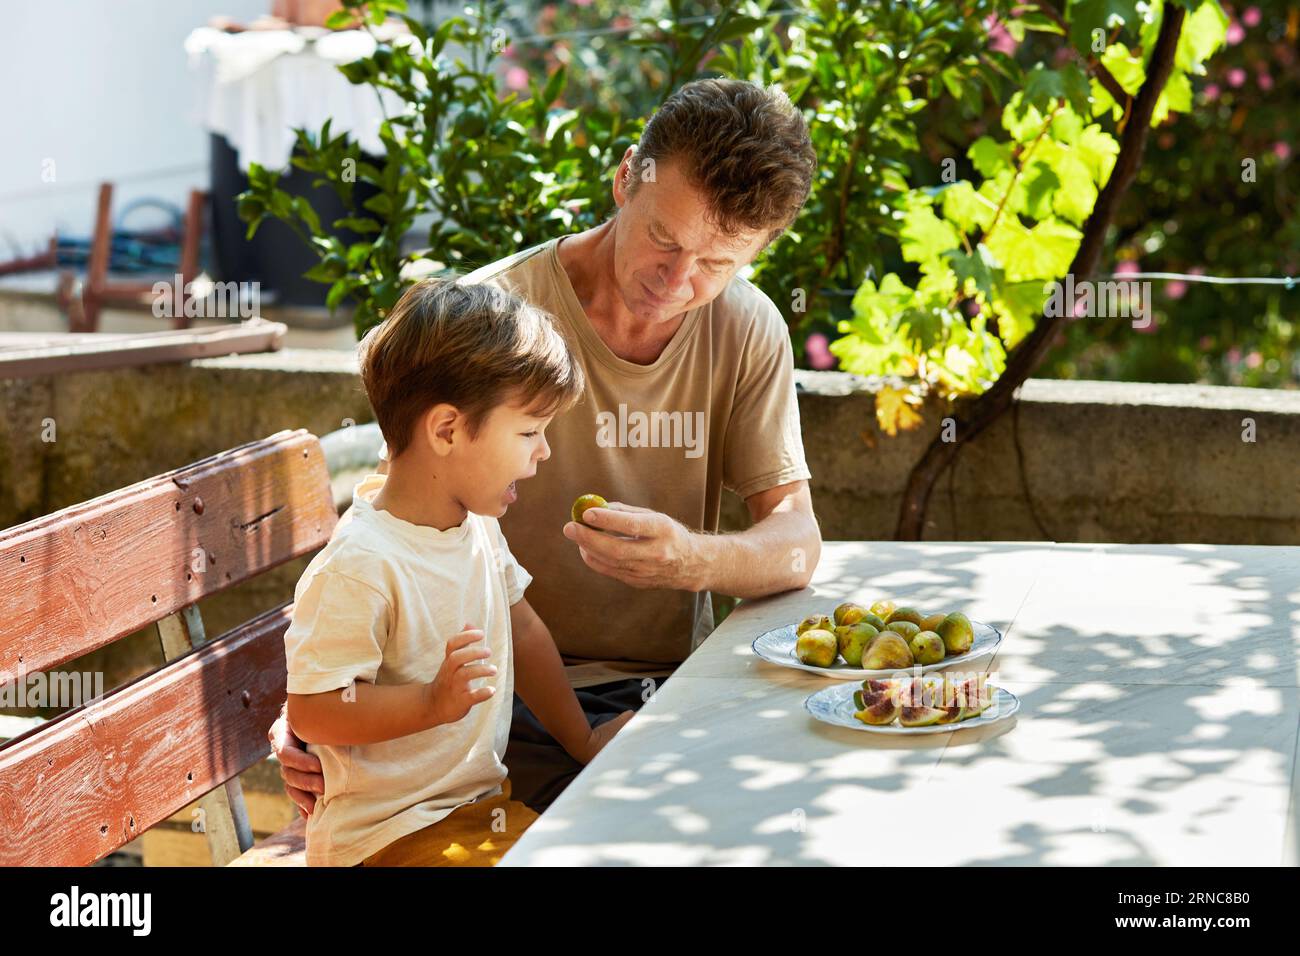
(539, 767)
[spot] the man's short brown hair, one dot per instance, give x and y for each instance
(746, 147)
(473, 346)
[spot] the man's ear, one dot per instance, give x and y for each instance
(623, 177)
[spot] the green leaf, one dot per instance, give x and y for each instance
(978, 267)
(1032, 20)
(965, 208)
(1022, 120)
(1076, 193)
(990, 157)
(1084, 16)
(1041, 185)
(1176, 97)
(1097, 149)
(1204, 32)
(336, 293)
(340, 20)
(924, 235)
(555, 85)
(1019, 306)
(1043, 252)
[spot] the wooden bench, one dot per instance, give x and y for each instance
(94, 778)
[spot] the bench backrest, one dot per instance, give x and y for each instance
(83, 784)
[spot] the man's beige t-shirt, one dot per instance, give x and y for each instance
(378, 604)
(716, 410)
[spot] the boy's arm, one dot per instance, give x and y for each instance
(542, 685)
(365, 713)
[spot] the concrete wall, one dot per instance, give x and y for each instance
(1097, 461)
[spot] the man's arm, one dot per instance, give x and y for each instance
(541, 684)
(778, 553)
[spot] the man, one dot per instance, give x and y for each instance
(690, 390)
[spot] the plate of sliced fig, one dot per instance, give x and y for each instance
(930, 704)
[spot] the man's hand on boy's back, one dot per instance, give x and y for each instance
(300, 770)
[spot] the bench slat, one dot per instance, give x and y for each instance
(78, 579)
(97, 777)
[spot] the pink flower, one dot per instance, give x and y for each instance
(517, 78)
(1251, 17)
(1236, 77)
(818, 352)
(999, 39)
(1126, 266)
(1265, 81)
(1254, 360)
(1176, 289)
(1235, 33)
(1234, 356)
(1281, 150)
(1211, 92)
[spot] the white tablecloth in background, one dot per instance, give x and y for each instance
(257, 87)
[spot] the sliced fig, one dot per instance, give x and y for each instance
(920, 716)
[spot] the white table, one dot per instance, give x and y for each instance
(1159, 725)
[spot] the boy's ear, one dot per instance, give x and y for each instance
(442, 426)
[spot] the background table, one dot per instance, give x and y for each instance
(1159, 724)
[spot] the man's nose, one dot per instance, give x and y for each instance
(677, 272)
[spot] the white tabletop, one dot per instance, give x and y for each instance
(1160, 689)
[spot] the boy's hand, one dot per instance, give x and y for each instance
(600, 736)
(450, 696)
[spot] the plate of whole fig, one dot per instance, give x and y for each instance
(933, 704)
(856, 642)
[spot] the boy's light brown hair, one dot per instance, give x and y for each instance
(470, 345)
(746, 147)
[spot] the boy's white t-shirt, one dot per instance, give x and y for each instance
(378, 605)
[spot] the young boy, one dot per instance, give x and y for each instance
(410, 629)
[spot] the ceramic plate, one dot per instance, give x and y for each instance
(834, 705)
(778, 647)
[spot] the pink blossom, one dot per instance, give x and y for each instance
(1234, 356)
(1176, 289)
(1126, 266)
(1254, 360)
(1236, 77)
(1235, 33)
(1265, 81)
(1251, 17)
(999, 39)
(1211, 92)
(1281, 150)
(818, 352)
(517, 78)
